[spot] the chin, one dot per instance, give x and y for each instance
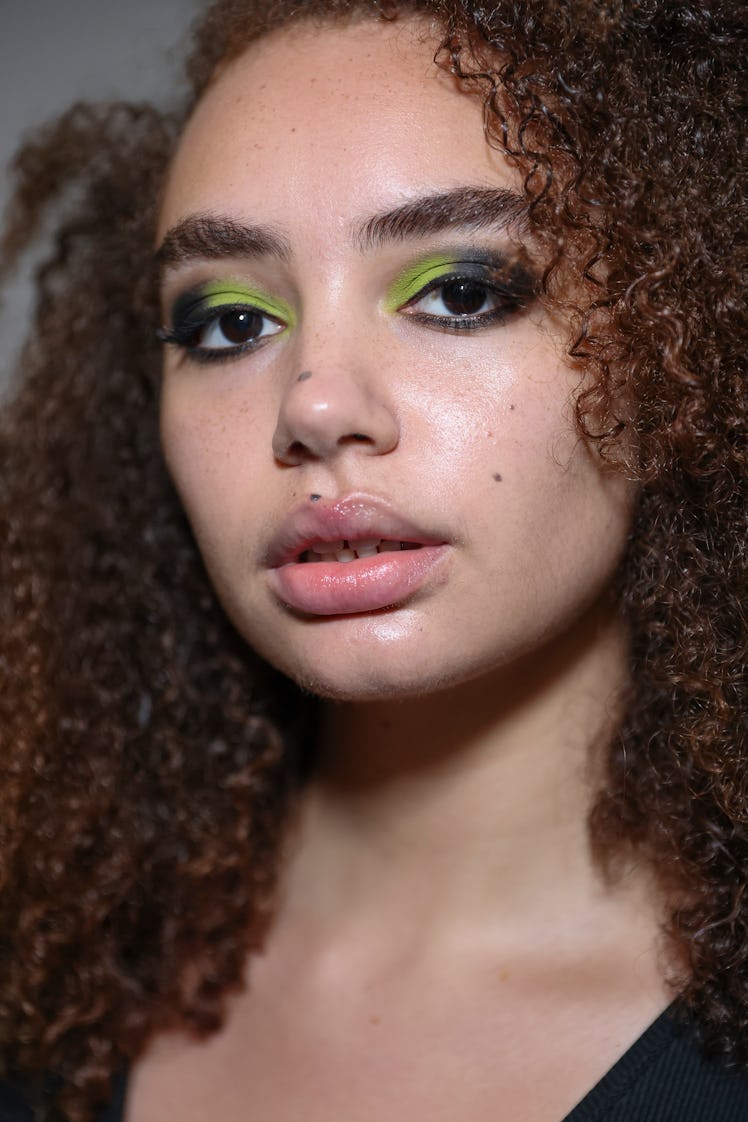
(377, 657)
(375, 679)
(377, 687)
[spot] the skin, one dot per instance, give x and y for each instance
(442, 933)
(441, 413)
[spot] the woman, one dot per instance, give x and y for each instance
(451, 399)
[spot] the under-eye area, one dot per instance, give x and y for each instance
(351, 550)
(217, 321)
(464, 290)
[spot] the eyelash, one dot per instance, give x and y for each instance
(510, 285)
(189, 325)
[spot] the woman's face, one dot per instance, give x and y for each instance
(358, 365)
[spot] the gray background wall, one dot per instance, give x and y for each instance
(55, 51)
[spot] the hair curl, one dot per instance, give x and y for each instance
(147, 754)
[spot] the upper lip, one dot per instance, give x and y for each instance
(352, 518)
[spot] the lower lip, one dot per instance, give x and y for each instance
(368, 584)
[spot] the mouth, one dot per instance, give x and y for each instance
(344, 550)
(354, 528)
(351, 556)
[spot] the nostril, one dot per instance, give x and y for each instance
(355, 438)
(296, 451)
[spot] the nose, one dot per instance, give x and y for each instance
(328, 408)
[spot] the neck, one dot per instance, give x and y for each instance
(551, 706)
(467, 800)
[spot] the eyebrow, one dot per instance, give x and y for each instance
(470, 208)
(203, 237)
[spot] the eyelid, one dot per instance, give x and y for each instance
(468, 272)
(505, 272)
(412, 280)
(197, 311)
(217, 296)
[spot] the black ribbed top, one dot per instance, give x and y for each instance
(664, 1078)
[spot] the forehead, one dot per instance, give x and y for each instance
(338, 121)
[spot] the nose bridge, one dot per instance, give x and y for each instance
(335, 397)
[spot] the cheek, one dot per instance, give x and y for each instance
(558, 530)
(495, 421)
(544, 524)
(208, 439)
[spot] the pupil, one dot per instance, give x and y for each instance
(463, 298)
(241, 326)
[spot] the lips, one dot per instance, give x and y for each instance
(351, 556)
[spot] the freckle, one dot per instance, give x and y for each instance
(489, 435)
(503, 975)
(497, 477)
(304, 376)
(315, 498)
(375, 1020)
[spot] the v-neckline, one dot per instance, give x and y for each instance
(626, 1070)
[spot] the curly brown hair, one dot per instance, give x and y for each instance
(148, 758)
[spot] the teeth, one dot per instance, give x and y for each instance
(367, 548)
(344, 551)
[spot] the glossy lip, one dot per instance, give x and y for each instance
(368, 584)
(353, 518)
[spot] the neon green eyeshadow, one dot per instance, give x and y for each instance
(217, 294)
(410, 283)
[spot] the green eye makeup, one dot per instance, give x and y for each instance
(216, 294)
(462, 291)
(418, 277)
(459, 291)
(221, 319)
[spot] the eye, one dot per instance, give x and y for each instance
(458, 297)
(471, 295)
(235, 327)
(209, 329)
